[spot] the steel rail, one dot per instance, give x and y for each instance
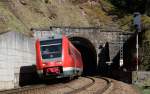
(82, 88)
(41, 89)
(106, 87)
(99, 91)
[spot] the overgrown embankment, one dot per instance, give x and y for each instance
(124, 10)
(22, 15)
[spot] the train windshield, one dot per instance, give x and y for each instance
(51, 49)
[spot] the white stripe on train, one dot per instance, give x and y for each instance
(71, 68)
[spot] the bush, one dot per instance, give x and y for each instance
(131, 5)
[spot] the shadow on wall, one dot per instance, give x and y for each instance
(28, 76)
(129, 52)
(114, 71)
(124, 73)
(103, 57)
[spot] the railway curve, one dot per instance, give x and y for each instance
(81, 85)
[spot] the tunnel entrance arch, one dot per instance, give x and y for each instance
(88, 52)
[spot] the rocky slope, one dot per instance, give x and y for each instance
(22, 15)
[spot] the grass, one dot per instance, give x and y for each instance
(146, 27)
(34, 14)
(106, 6)
(8, 21)
(143, 90)
(22, 15)
(125, 22)
(38, 14)
(95, 15)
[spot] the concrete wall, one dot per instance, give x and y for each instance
(141, 78)
(16, 51)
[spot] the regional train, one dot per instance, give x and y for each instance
(57, 57)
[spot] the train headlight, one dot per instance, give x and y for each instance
(44, 64)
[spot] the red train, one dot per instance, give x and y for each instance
(56, 57)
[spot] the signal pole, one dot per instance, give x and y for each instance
(121, 50)
(137, 25)
(137, 49)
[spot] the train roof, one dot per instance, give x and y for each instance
(51, 37)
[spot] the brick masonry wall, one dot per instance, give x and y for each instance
(96, 36)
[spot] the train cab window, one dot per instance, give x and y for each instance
(51, 49)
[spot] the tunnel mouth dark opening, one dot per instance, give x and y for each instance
(88, 52)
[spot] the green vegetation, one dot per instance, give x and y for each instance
(26, 14)
(130, 6)
(22, 15)
(95, 15)
(9, 22)
(146, 27)
(33, 13)
(144, 90)
(124, 10)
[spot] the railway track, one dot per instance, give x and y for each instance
(23, 90)
(82, 88)
(107, 87)
(97, 89)
(90, 85)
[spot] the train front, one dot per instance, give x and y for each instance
(49, 57)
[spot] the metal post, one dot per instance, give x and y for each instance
(137, 24)
(121, 50)
(137, 53)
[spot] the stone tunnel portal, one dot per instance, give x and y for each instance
(88, 52)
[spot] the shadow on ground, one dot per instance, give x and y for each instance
(28, 76)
